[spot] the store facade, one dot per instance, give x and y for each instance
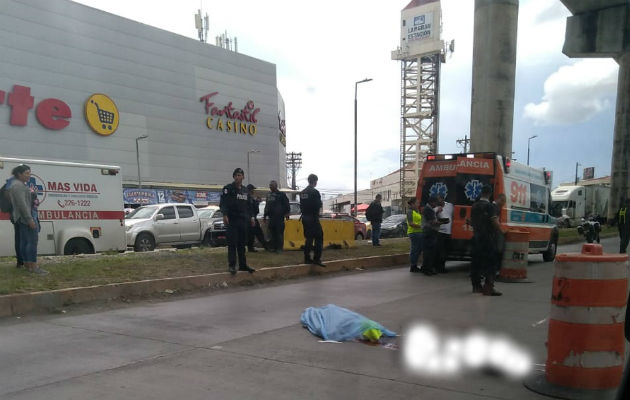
(78, 84)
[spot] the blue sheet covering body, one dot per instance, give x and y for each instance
(332, 322)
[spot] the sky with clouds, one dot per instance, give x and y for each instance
(322, 48)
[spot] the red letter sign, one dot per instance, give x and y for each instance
(20, 101)
(51, 113)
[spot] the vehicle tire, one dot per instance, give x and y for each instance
(78, 246)
(207, 239)
(550, 253)
(567, 223)
(359, 236)
(144, 242)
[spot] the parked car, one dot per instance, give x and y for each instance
(210, 215)
(368, 225)
(394, 226)
(360, 230)
(173, 224)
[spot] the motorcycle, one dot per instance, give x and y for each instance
(590, 229)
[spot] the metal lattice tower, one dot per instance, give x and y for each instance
(420, 87)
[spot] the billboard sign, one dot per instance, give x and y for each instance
(420, 27)
(589, 173)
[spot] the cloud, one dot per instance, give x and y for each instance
(575, 93)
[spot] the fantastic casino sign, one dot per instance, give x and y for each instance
(229, 119)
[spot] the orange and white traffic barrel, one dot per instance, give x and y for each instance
(585, 342)
(514, 261)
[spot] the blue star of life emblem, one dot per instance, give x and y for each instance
(472, 190)
(438, 189)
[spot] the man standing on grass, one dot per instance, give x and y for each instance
(311, 204)
(234, 206)
(374, 214)
(277, 209)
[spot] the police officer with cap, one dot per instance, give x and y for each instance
(311, 203)
(255, 232)
(235, 208)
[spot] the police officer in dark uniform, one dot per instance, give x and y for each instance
(234, 206)
(311, 203)
(486, 226)
(277, 209)
(255, 232)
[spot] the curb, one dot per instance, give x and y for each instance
(20, 304)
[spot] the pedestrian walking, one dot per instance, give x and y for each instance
(430, 227)
(277, 209)
(254, 231)
(444, 212)
(623, 225)
(485, 227)
(235, 207)
(374, 214)
(311, 204)
(7, 207)
(414, 232)
(24, 204)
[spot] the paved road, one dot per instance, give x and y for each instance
(248, 344)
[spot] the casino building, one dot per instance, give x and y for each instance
(177, 115)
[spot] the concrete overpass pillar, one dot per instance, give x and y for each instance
(620, 166)
(494, 70)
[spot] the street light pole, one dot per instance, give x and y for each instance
(528, 141)
(138, 158)
(248, 153)
(356, 206)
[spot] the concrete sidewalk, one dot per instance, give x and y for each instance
(249, 344)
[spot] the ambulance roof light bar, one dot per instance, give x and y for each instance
(436, 157)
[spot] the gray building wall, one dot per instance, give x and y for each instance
(68, 51)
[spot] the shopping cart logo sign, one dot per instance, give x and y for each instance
(101, 114)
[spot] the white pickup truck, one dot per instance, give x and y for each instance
(173, 224)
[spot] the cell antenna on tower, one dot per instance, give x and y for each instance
(202, 25)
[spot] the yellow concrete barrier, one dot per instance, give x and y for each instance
(336, 232)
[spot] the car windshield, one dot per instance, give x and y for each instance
(395, 218)
(205, 213)
(362, 218)
(142, 212)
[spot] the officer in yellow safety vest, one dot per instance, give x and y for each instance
(414, 231)
(623, 224)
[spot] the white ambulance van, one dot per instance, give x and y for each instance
(80, 210)
(459, 178)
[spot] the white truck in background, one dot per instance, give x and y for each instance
(569, 204)
(80, 210)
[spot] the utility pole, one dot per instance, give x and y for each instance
(294, 163)
(465, 141)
